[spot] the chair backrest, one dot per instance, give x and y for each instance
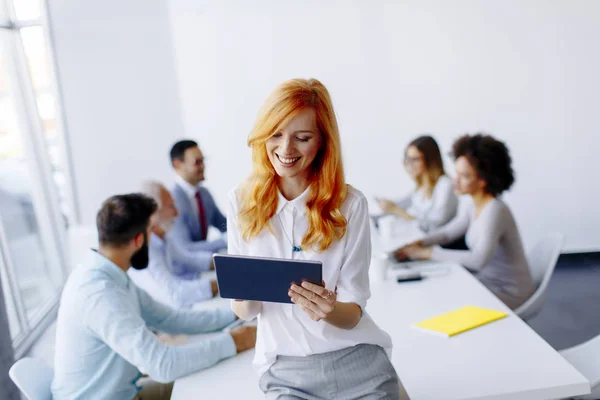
(542, 260)
(33, 378)
(584, 357)
(543, 257)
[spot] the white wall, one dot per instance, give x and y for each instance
(526, 71)
(121, 101)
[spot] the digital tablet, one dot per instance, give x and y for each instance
(263, 279)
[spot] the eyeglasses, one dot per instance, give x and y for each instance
(412, 160)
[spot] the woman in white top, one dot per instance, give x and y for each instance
(296, 205)
(495, 251)
(433, 203)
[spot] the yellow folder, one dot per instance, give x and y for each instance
(461, 320)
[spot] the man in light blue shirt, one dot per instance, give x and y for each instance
(103, 337)
(197, 208)
(158, 279)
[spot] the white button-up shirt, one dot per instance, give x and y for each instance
(284, 329)
(432, 213)
(103, 336)
(162, 284)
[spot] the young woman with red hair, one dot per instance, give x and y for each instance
(297, 205)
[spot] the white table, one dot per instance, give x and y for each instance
(393, 232)
(502, 360)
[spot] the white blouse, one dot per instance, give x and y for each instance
(434, 212)
(284, 329)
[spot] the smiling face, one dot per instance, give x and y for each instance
(191, 167)
(293, 148)
(467, 180)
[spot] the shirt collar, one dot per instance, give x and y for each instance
(156, 241)
(98, 261)
(189, 189)
(299, 203)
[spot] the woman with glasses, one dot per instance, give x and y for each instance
(433, 203)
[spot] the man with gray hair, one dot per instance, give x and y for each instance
(165, 256)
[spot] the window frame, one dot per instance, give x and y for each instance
(44, 192)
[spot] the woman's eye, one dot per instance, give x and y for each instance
(302, 139)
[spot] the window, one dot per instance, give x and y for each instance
(38, 62)
(35, 207)
(27, 9)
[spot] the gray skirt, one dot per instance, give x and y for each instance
(360, 372)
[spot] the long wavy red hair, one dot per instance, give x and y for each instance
(328, 186)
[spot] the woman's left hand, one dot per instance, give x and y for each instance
(315, 300)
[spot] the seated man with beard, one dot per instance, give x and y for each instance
(159, 278)
(103, 330)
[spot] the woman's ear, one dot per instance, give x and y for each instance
(482, 184)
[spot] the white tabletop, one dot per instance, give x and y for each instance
(393, 232)
(233, 378)
(502, 360)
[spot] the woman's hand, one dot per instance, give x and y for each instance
(387, 206)
(314, 300)
(413, 251)
(400, 254)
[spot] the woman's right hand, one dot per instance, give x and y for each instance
(387, 206)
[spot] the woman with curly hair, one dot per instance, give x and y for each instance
(297, 205)
(495, 254)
